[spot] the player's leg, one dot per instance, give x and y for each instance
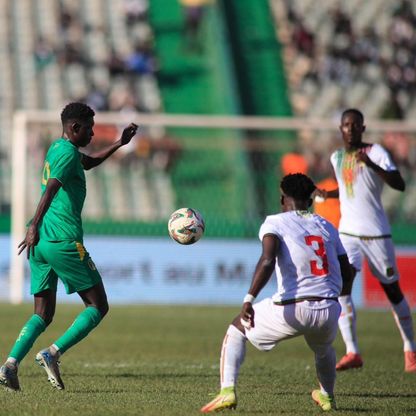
(45, 303)
(95, 300)
(96, 307)
(382, 262)
(232, 356)
(77, 271)
(43, 287)
(321, 329)
(348, 319)
(270, 328)
(403, 318)
(43, 314)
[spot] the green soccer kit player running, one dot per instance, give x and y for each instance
(54, 244)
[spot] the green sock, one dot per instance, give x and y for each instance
(84, 323)
(28, 335)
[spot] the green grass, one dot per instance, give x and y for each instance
(161, 360)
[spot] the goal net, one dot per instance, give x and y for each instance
(228, 168)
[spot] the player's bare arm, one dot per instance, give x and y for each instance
(96, 158)
(32, 234)
(262, 273)
(323, 193)
(392, 178)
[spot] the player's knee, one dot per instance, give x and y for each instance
(103, 309)
(47, 319)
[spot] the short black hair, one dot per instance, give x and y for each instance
(297, 186)
(354, 111)
(76, 111)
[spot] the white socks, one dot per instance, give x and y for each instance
(232, 356)
(347, 324)
(325, 370)
(54, 349)
(403, 318)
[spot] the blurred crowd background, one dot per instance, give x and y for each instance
(275, 58)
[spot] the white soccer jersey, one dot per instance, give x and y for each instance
(307, 262)
(360, 188)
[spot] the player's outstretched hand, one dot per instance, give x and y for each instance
(30, 241)
(128, 133)
(247, 315)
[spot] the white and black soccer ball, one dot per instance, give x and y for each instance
(186, 226)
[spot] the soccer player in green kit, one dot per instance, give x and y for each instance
(54, 244)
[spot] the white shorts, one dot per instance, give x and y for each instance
(379, 253)
(317, 321)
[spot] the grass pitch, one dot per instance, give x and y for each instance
(164, 360)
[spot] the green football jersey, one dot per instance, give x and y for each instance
(63, 221)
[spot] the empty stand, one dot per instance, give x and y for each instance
(60, 51)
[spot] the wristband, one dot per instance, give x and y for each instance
(249, 298)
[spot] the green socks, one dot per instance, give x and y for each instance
(28, 335)
(85, 322)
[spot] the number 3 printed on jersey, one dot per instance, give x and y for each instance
(317, 243)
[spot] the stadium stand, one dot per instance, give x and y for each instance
(275, 57)
(103, 52)
(359, 57)
(73, 58)
(364, 45)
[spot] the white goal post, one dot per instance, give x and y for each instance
(21, 135)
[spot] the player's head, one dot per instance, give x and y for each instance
(77, 123)
(297, 190)
(352, 127)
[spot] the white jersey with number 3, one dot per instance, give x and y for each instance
(307, 261)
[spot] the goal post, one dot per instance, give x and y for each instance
(18, 187)
(228, 167)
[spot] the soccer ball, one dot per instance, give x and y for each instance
(186, 226)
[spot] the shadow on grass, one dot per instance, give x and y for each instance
(137, 375)
(98, 391)
(375, 396)
(379, 395)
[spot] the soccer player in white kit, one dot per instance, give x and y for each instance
(311, 265)
(361, 170)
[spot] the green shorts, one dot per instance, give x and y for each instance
(68, 260)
